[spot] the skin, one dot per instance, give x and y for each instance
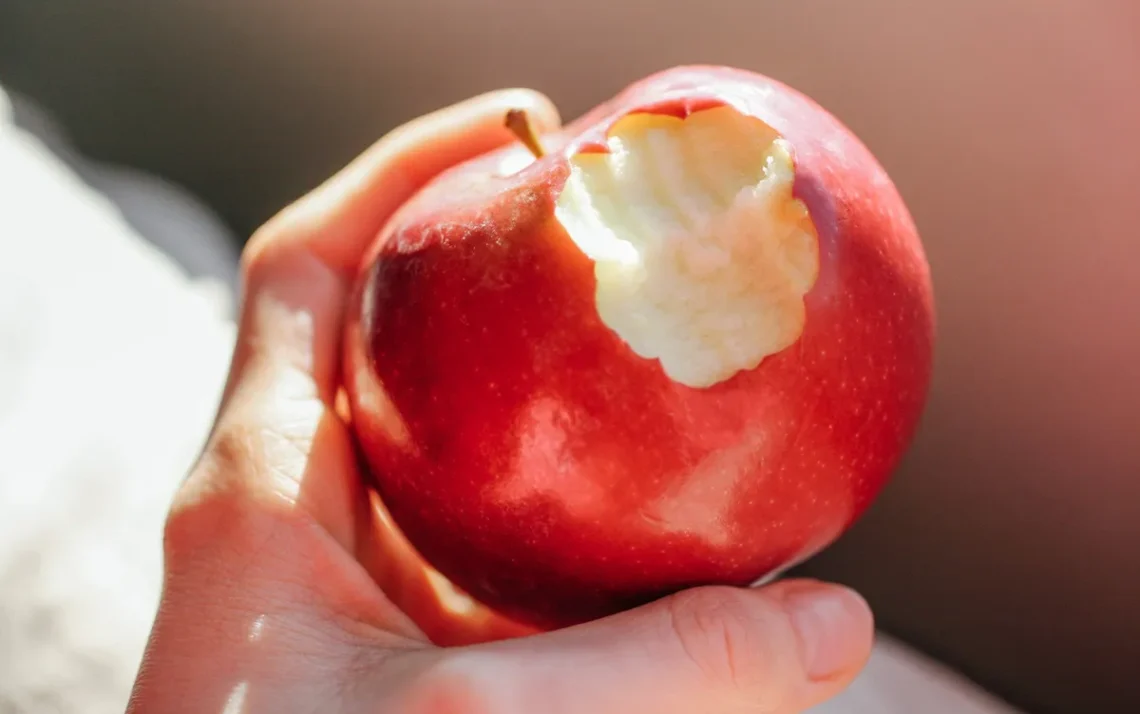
(555, 475)
(272, 547)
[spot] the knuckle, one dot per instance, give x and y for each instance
(258, 247)
(295, 224)
(228, 464)
(738, 642)
(272, 239)
(215, 503)
(232, 450)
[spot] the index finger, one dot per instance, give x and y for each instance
(303, 260)
(338, 220)
(274, 422)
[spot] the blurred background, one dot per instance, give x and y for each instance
(1008, 546)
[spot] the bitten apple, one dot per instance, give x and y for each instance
(683, 341)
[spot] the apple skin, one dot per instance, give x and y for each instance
(539, 464)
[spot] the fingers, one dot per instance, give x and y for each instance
(276, 436)
(338, 220)
(298, 267)
(297, 270)
(778, 650)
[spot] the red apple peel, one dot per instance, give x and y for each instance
(583, 378)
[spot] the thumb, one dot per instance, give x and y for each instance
(777, 650)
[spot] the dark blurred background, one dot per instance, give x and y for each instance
(1009, 545)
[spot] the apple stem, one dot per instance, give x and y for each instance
(519, 124)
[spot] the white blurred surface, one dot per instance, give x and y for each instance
(110, 363)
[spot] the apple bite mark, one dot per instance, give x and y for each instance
(702, 254)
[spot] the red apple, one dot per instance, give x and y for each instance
(685, 345)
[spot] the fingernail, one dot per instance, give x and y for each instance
(834, 625)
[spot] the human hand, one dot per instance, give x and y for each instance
(286, 590)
